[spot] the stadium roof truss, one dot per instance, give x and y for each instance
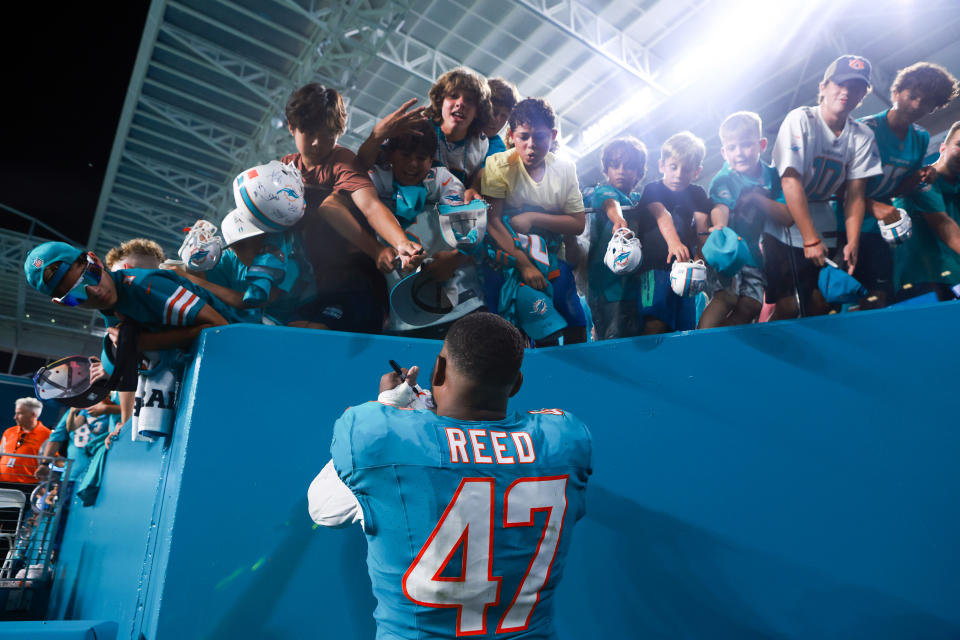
(211, 78)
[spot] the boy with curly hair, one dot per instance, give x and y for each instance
(917, 91)
(138, 253)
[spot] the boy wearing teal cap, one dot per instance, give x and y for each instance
(173, 309)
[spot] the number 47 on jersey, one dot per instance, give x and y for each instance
(468, 521)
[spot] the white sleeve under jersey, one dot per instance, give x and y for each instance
(330, 502)
(824, 161)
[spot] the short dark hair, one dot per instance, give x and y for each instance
(935, 83)
(533, 112)
(486, 348)
(503, 93)
(626, 151)
(313, 107)
(410, 142)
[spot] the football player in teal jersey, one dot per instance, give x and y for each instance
(917, 91)
(930, 260)
(468, 509)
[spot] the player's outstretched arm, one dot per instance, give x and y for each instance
(799, 209)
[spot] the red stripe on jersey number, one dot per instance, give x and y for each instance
(467, 522)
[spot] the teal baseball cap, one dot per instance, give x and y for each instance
(42, 257)
(839, 287)
(726, 251)
(536, 314)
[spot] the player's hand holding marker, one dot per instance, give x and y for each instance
(399, 388)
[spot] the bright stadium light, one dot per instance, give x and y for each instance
(629, 110)
(743, 30)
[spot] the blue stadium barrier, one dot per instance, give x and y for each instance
(790, 479)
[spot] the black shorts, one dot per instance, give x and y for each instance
(356, 311)
(875, 264)
(779, 271)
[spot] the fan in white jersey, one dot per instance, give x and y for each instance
(818, 150)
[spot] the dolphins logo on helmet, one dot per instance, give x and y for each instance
(623, 253)
(257, 192)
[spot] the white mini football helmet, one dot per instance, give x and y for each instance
(272, 194)
(623, 253)
(897, 232)
(201, 248)
(688, 278)
(237, 225)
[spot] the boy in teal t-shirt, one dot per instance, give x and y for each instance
(917, 91)
(746, 192)
(613, 297)
(930, 259)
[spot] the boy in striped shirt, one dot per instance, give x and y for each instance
(172, 309)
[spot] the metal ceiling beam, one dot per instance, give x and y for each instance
(603, 38)
(150, 30)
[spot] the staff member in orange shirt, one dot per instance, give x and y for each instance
(25, 438)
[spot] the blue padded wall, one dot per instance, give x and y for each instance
(790, 479)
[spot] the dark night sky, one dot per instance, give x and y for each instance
(63, 103)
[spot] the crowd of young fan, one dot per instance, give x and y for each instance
(843, 197)
(548, 264)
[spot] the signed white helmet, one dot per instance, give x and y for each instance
(201, 248)
(688, 278)
(623, 253)
(272, 194)
(897, 232)
(237, 225)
